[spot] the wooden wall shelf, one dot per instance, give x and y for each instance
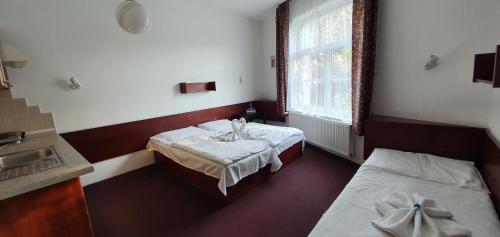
(487, 68)
(197, 87)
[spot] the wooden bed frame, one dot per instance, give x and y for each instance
(208, 184)
(456, 142)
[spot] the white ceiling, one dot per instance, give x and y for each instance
(254, 9)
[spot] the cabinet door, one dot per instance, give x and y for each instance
(57, 210)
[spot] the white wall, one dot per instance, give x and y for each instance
(267, 83)
(455, 30)
(127, 77)
(409, 31)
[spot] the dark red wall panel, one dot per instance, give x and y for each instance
(107, 142)
(270, 109)
(103, 143)
(457, 142)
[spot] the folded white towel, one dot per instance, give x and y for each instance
(272, 135)
(225, 137)
(415, 216)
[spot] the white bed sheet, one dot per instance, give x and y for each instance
(182, 133)
(282, 137)
(228, 175)
(289, 142)
(352, 212)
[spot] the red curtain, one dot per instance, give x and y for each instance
(282, 26)
(364, 35)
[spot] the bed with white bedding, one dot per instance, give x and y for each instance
(229, 162)
(455, 185)
(279, 138)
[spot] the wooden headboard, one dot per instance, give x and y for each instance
(452, 141)
(457, 142)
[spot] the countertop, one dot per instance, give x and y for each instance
(75, 165)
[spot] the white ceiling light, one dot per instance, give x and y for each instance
(132, 17)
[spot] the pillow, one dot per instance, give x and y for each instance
(428, 167)
(222, 125)
(178, 134)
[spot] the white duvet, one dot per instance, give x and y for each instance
(274, 134)
(229, 171)
(354, 209)
(219, 151)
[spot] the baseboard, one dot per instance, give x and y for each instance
(119, 165)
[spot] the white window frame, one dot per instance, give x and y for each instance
(327, 49)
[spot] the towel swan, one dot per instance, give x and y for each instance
(235, 135)
(415, 216)
(241, 132)
(238, 128)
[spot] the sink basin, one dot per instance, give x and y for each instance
(28, 162)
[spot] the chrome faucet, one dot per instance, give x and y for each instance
(11, 138)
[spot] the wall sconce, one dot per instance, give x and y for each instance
(11, 57)
(432, 63)
(74, 83)
(273, 61)
(132, 17)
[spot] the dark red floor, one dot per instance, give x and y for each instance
(148, 202)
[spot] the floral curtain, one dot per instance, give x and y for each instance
(364, 35)
(282, 28)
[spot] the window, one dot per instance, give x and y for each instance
(319, 77)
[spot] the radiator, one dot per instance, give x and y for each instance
(329, 135)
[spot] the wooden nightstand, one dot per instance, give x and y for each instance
(252, 117)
